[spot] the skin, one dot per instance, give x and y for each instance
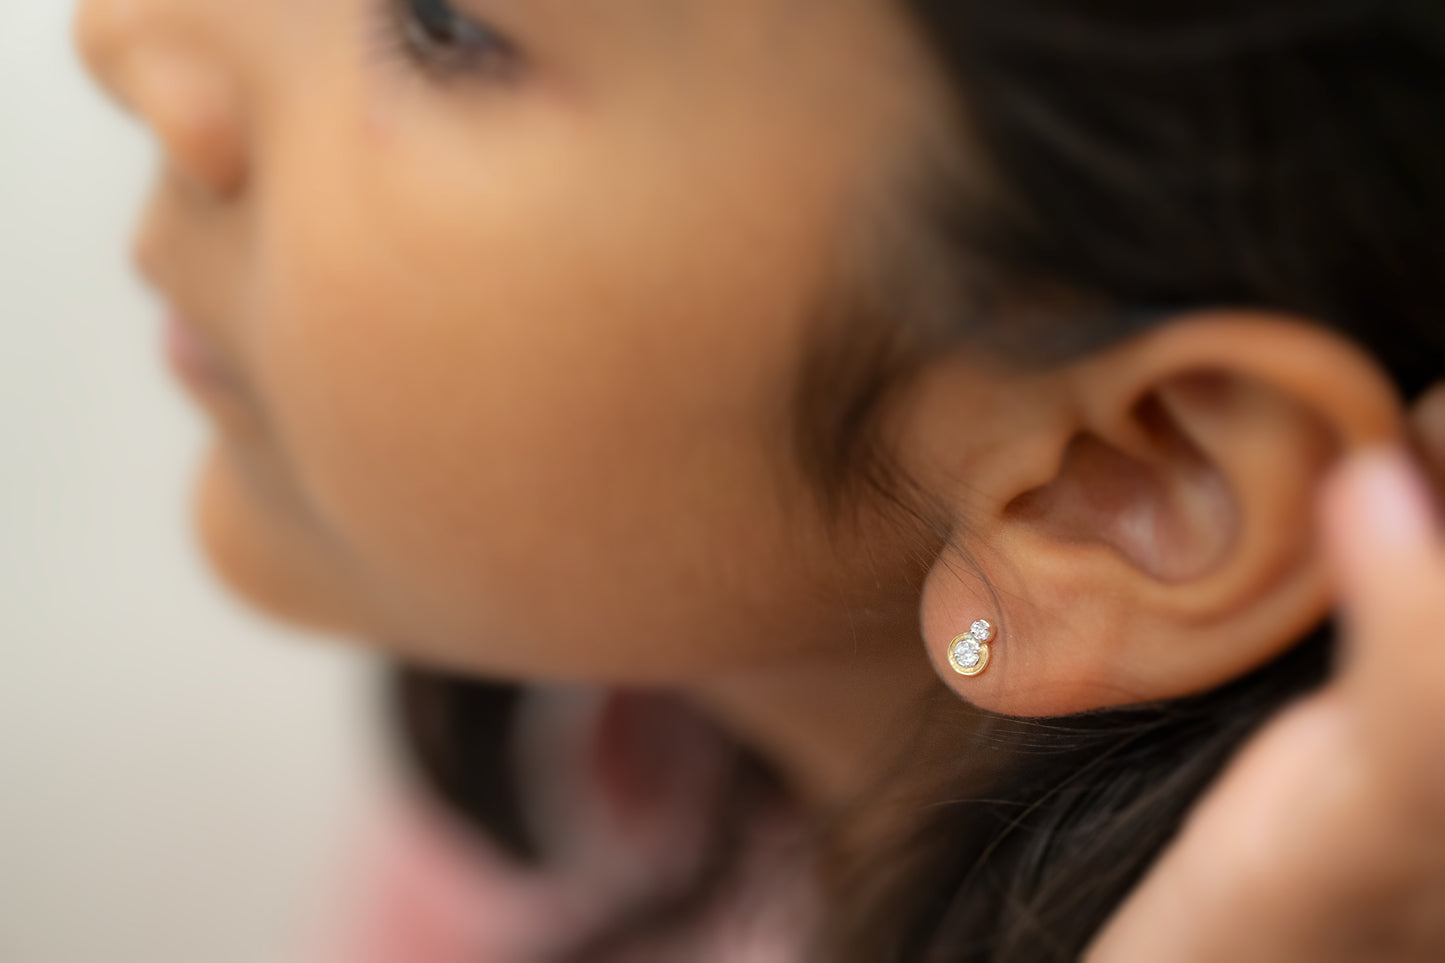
(516, 357)
(502, 371)
(1356, 764)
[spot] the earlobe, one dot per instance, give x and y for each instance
(1171, 546)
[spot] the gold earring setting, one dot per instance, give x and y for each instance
(968, 653)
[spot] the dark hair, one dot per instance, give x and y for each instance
(1283, 154)
(1143, 156)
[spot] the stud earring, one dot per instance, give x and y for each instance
(968, 653)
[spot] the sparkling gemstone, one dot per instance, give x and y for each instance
(981, 630)
(967, 653)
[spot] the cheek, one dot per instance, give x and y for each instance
(529, 421)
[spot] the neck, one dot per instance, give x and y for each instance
(831, 727)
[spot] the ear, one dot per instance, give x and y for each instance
(1139, 524)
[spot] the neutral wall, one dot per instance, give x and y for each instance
(175, 776)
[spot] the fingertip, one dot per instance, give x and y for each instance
(1430, 415)
(1377, 508)
(1427, 426)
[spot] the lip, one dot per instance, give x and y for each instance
(195, 361)
(203, 371)
(199, 361)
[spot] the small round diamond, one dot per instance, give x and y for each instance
(967, 653)
(981, 630)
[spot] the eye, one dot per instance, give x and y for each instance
(439, 39)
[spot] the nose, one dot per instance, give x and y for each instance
(161, 61)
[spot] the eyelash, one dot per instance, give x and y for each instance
(456, 46)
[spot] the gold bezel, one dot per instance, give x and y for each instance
(982, 656)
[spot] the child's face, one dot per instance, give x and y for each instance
(517, 348)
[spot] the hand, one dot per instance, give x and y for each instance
(1325, 839)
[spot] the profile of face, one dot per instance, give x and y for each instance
(502, 310)
(507, 315)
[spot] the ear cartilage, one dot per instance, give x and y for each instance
(968, 653)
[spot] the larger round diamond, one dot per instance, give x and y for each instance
(967, 652)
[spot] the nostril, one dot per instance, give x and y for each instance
(193, 111)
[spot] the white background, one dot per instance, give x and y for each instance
(176, 777)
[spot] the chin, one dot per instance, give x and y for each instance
(267, 565)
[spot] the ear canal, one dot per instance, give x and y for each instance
(1161, 505)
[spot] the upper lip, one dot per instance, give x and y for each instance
(150, 266)
(155, 269)
(234, 405)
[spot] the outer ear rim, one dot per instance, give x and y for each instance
(1294, 348)
(1286, 354)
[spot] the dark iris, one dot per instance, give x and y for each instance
(439, 34)
(436, 22)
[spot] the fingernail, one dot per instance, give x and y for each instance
(1394, 499)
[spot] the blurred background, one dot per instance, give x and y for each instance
(177, 779)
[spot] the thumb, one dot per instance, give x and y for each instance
(1380, 535)
(1427, 428)
(1379, 530)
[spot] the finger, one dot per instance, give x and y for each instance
(1427, 426)
(1380, 534)
(1379, 528)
